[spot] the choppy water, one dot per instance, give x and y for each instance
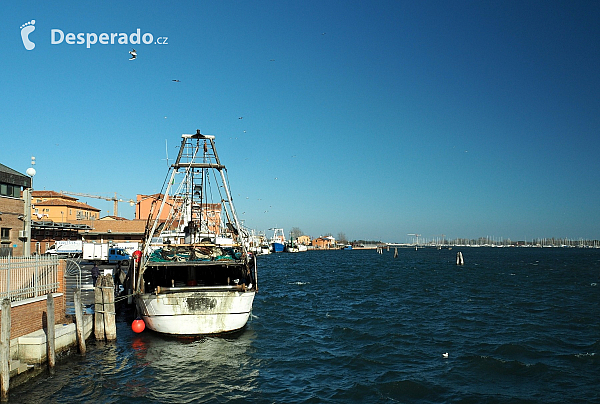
(519, 325)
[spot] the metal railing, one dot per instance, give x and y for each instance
(24, 278)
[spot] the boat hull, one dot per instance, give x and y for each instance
(278, 247)
(195, 313)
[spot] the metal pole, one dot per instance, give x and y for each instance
(27, 217)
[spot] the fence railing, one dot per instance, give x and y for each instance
(28, 277)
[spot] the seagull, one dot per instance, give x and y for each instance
(177, 81)
(133, 54)
(445, 355)
(241, 117)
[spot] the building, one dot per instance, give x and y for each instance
(12, 209)
(149, 205)
(115, 231)
(324, 243)
(56, 216)
(304, 240)
(57, 207)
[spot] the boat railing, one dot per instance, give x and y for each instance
(231, 288)
(194, 245)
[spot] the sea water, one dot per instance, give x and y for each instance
(519, 325)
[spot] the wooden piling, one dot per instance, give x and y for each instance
(98, 310)
(79, 321)
(5, 349)
(108, 294)
(459, 259)
(395, 252)
(51, 334)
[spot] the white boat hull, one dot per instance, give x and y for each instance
(195, 313)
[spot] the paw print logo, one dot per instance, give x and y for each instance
(27, 29)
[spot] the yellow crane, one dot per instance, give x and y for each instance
(106, 198)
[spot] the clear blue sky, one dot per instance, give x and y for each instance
(375, 119)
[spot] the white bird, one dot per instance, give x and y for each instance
(133, 54)
(445, 355)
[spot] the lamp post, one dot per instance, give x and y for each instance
(27, 192)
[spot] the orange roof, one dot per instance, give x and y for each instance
(51, 194)
(118, 226)
(72, 204)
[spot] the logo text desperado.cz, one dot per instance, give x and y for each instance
(57, 36)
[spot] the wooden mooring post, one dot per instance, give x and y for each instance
(79, 321)
(459, 259)
(5, 348)
(98, 309)
(108, 296)
(50, 334)
(104, 317)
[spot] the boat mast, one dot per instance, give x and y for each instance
(238, 229)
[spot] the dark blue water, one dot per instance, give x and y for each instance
(520, 325)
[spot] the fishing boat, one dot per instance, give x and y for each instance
(196, 275)
(277, 241)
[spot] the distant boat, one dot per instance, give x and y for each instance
(346, 247)
(196, 274)
(277, 241)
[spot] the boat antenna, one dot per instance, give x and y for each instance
(167, 152)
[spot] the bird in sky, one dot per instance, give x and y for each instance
(177, 81)
(133, 54)
(241, 117)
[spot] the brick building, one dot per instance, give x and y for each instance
(12, 209)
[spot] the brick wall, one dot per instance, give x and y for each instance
(31, 317)
(11, 209)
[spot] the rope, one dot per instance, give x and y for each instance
(105, 312)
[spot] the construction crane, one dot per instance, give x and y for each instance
(416, 235)
(106, 198)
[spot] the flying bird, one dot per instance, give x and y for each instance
(133, 54)
(177, 81)
(241, 117)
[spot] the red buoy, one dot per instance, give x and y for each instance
(138, 325)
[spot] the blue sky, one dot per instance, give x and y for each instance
(375, 119)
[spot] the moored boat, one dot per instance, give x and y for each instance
(278, 241)
(196, 275)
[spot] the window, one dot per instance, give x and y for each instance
(5, 233)
(10, 190)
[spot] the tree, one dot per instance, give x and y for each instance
(341, 237)
(295, 233)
